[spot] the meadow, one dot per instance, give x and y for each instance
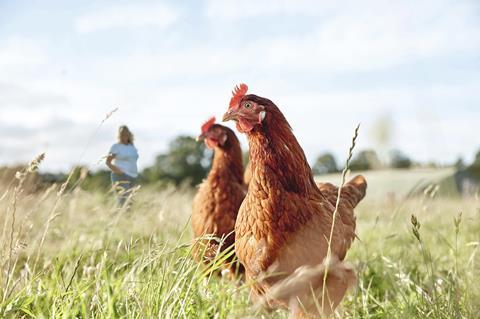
(70, 253)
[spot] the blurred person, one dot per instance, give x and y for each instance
(122, 161)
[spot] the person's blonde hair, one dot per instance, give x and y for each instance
(125, 129)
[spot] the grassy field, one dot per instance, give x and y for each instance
(399, 183)
(72, 254)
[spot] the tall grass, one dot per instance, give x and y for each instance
(334, 218)
(71, 253)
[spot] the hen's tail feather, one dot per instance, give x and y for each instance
(356, 188)
(352, 192)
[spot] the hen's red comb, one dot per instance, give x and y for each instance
(208, 124)
(238, 93)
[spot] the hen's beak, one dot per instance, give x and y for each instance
(200, 138)
(230, 115)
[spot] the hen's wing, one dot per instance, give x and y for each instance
(278, 232)
(285, 229)
(215, 209)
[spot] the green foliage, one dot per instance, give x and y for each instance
(476, 162)
(399, 160)
(459, 164)
(325, 164)
(99, 180)
(474, 169)
(185, 160)
(365, 160)
(467, 179)
(82, 177)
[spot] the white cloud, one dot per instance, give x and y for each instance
(321, 120)
(360, 37)
(17, 52)
(127, 16)
(234, 9)
(354, 35)
(15, 96)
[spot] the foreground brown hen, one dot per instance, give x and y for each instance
(284, 223)
(216, 204)
(247, 176)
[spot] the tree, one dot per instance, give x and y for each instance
(399, 160)
(186, 159)
(81, 177)
(474, 169)
(365, 160)
(325, 164)
(476, 161)
(98, 180)
(459, 164)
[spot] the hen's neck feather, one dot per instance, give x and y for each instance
(228, 160)
(273, 144)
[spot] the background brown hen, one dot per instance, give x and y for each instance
(284, 223)
(219, 197)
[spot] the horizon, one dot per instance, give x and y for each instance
(408, 72)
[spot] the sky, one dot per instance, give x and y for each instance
(410, 69)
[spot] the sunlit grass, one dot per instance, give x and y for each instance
(97, 261)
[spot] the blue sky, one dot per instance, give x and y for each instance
(410, 66)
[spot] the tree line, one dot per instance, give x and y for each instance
(363, 161)
(187, 162)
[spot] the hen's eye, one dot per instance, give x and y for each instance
(247, 105)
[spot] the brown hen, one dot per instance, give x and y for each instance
(284, 223)
(219, 197)
(247, 176)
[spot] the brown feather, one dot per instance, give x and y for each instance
(285, 220)
(217, 201)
